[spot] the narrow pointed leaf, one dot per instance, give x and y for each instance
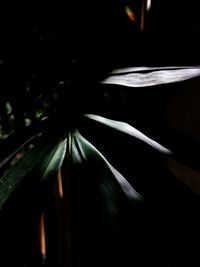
(54, 161)
(9, 157)
(44, 159)
(145, 69)
(78, 153)
(128, 129)
(18, 140)
(89, 152)
(137, 78)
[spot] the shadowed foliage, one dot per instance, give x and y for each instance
(92, 169)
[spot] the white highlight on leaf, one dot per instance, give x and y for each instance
(148, 4)
(135, 77)
(124, 184)
(128, 129)
(136, 69)
(127, 188)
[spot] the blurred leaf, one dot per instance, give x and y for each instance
(45, 158)
(136, 77)
(128, 129)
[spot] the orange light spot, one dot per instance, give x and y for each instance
(60, 187)
(19, 155)
(42, 238)
(130, 14)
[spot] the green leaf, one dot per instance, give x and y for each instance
(88, 152)
(136, 77)
(128, 129)
(45, 158)
(54, 161)
(27, 142)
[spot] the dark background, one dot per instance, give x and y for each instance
(45, 42)
(42, 32)
(44, 37)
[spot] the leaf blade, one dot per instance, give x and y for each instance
(90, 150)
(54, 161)
(128, 129)
(42, 152)
(9, 157)
(136, 78)
(145, 68)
